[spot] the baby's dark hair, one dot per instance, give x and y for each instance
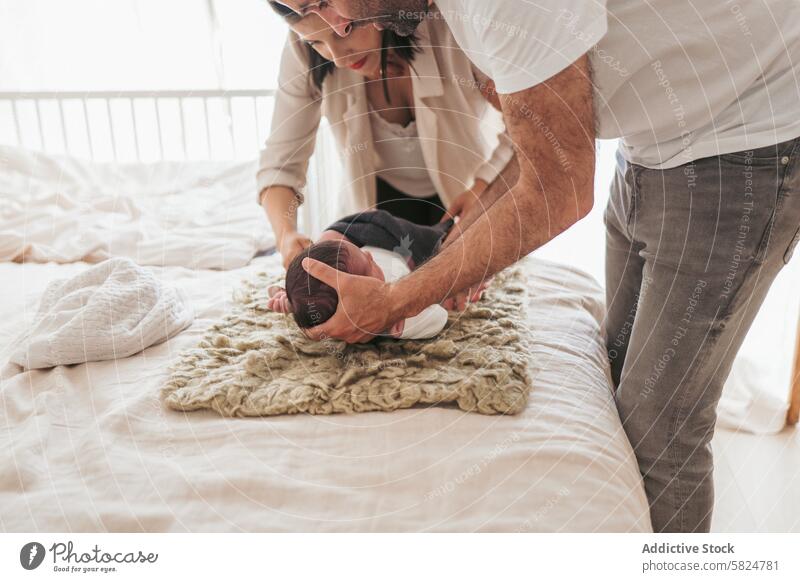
(312, 301)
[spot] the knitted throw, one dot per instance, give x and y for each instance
(257, 363)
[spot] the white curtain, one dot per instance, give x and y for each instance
(103, 45)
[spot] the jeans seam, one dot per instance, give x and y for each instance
(674, 465)
(679, 418)
(634, 199)
(763, 246)
(787, 255)
(726, 311)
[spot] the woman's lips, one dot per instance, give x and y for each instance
(357, 65)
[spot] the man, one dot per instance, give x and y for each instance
(703, 213)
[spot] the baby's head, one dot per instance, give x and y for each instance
(312, 301)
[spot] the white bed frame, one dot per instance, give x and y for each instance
(112, 116)
(250, 108)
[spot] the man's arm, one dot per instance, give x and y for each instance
(552, 127)
(504, 181)
(502, 184)
(497, 189)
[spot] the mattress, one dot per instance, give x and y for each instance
(89, 447)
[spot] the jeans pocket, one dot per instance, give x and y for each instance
(792, 245)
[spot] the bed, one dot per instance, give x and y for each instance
(90, 447)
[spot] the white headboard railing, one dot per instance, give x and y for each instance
(136, 126)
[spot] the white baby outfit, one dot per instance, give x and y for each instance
(430, 321)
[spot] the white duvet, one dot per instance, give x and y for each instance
(90, 448)
(192, 214)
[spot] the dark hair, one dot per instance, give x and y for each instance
(405, 47)
(312, 301)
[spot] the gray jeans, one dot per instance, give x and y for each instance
(691, 253)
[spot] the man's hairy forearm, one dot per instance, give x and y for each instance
(552, 127)
(512, 228)
(502, 184)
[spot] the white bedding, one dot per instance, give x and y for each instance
(89, 447)
(191, 214)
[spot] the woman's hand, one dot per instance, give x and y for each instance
(465, 201)
(462, 206)
(460, 301)
(291, 245)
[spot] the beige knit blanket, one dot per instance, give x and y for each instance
(257, 363)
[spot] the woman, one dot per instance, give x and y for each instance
(415, 133)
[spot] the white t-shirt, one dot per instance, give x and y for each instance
(677, 80)
(428, 323)
(399, 158)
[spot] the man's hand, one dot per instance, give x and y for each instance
(292, 244)
(363, 310)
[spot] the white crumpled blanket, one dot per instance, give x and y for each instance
(190, 214)
(111, 310)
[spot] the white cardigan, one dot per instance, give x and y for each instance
(463, 137)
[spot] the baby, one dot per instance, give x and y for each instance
(371, 244)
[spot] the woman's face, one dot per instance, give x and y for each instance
(359, 51)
